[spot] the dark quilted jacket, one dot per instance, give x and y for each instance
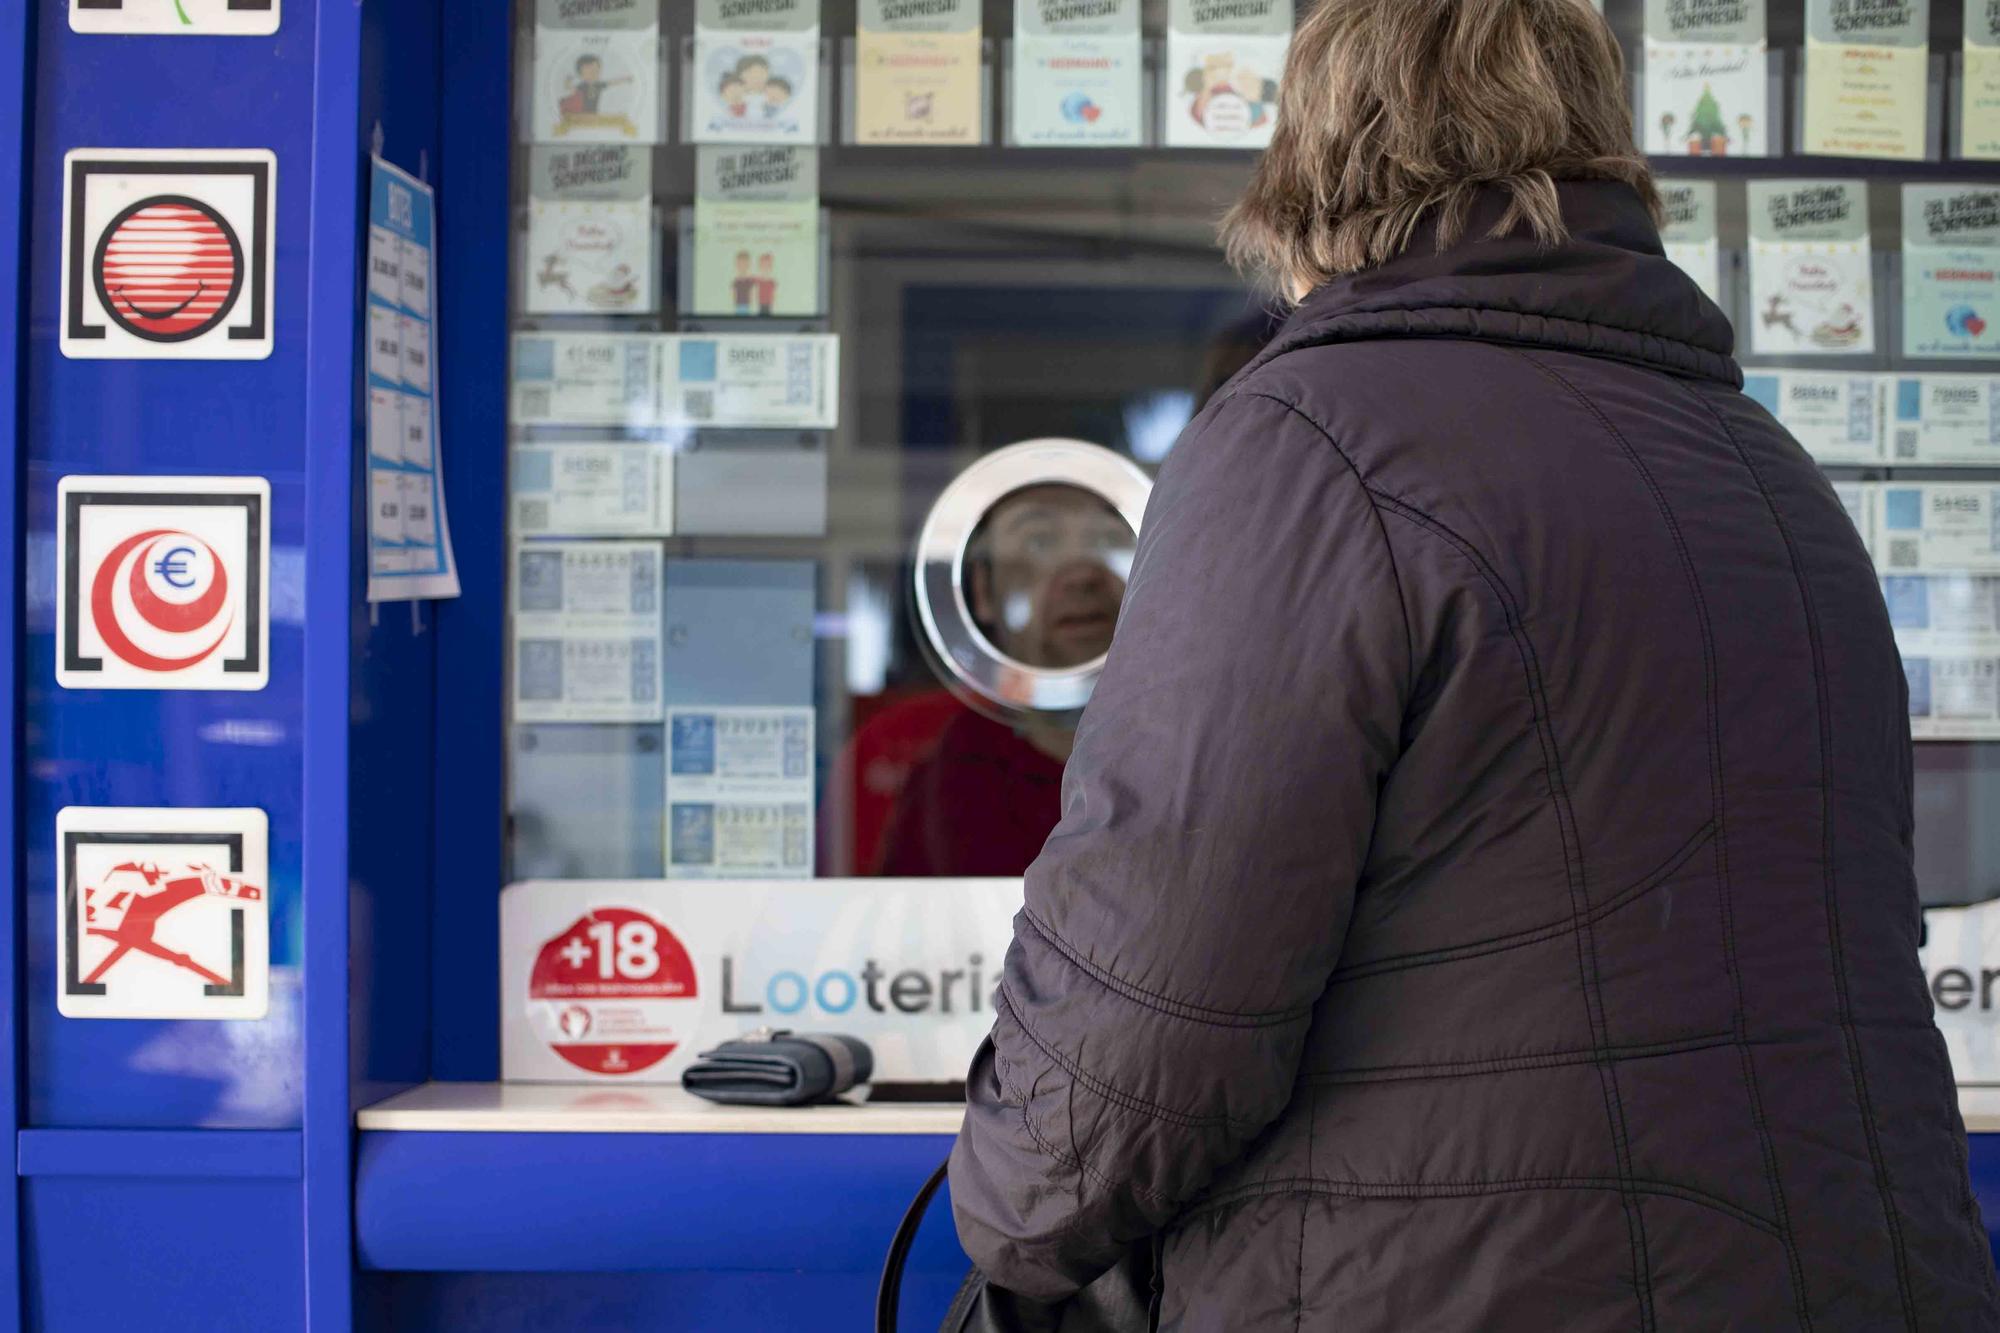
(1483, 897)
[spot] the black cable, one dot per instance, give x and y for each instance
(888, 1296)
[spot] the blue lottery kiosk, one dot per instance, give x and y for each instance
(487, 486)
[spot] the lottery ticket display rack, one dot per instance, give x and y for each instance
(327, 1141)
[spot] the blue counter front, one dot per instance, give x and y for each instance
(642, 1207)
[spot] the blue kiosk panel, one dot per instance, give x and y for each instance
(172, 1172)
(206, 1175)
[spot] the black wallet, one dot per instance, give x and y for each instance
(780, 1069)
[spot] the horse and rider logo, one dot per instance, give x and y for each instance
(165, 913)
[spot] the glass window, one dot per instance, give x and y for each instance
(746, 369)
(782, 280)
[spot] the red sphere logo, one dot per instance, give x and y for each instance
(161, 600)
(168, 268)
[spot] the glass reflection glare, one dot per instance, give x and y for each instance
(1045, 574)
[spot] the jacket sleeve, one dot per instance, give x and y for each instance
(1183, 918)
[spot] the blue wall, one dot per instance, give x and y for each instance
(394, 686)
(141, 747)
(163, 1164)
(15, 73)
(476, 225)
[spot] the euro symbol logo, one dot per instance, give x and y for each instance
(173, 567)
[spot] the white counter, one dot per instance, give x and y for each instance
(561, 1108)
(1980, 1105)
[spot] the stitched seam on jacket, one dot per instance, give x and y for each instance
(1508, 1063)
(1586, 943)
(1454, 953)
(1117, 1096)
(1830, 889)
(1075, 1162)
(1468, 1189)
(1719, 801)
(1312, 1116)
(1072, 1160)
(1476, 314)
(1069, 1159)
(1381, 528)
(1153, 1000)
(1718, 786)
(1371, 325)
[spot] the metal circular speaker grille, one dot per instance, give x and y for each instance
(973, 663)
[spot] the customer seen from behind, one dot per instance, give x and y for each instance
(1483, 897)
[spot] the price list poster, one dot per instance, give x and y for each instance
(1707, 82)
(1077, 74)
(1979, 93)
(756, 232)
(590, 244)
(1224, 60)
(409, 540)
(917, 72)
(1951, 271)
(1867, 78)
(1811, 289)
(597, 71)
(756, 72)
(1689, 233)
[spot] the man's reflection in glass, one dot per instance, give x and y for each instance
(1045, 573)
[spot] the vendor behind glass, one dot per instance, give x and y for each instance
(1044, 575)
(1483, 894)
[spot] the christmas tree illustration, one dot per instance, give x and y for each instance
(1708, 136)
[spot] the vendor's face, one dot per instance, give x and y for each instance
(1053, 575)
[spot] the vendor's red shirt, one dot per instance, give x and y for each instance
(981, 803)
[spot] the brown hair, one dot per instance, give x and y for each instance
(1396, 110)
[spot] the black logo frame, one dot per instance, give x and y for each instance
(252, 505)
(252, 6)
(257, 262)
(72, 897)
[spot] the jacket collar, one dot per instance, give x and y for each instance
(1609, 290)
